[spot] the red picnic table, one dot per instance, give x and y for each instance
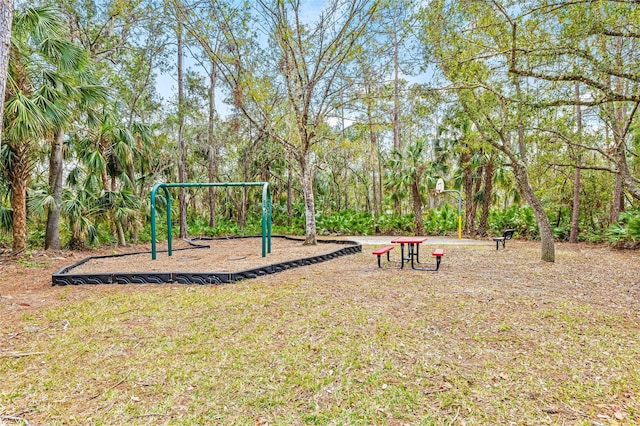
(413, 252)
(413, 249)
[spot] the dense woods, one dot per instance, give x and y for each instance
(351, 110)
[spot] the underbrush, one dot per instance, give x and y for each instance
(440, 221)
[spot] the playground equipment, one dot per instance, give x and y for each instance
(202, 274)
(440, 189)
(266, 210)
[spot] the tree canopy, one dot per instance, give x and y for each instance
(352, 110)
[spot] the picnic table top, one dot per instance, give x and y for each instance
(409, 240)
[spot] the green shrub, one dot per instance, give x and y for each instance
(562, 232)
(440, 221)
(519, 218)
(627, 228)
(591, 237)
(394, 224)
(345, 222)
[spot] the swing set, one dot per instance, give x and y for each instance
(266, 210)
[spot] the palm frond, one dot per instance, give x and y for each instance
(6, 218)
(24, 119)
(39, 200)
(40, 22)
(95, 161)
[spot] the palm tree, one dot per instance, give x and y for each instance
(108, 152)
(80, 207)
(83, 92)
(407, 174)
(486, 195)
(41, 55)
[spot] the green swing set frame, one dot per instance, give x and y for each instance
(266, 210)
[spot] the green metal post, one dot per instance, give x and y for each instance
(169, 224)
(266, 211)
(153, 222)
(263, 223)
(269, 217)
(266, 218)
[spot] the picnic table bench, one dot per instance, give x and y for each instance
(379, 252)
(438, 253)
(506, 235)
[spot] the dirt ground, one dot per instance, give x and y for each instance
(26, 282)
(230, 255)
(508, 290)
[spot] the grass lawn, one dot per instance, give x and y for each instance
(494, 337)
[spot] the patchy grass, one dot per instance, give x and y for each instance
(493, 338)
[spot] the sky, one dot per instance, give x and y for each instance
(167, 84)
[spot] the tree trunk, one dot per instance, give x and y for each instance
(289, 195)
(417, 208)
(122, 240)
(52, 235)
(619, 125)
(624, 178)
(6, 18)
(211, 189)
(487, 184)
(182, 145)
(522, 147)
(520, 173)
(376, 207)
(629, 181)
(212, 160)
(620, 156)
(380, 184)
(474, 205)
(467, 183)
(544, 226)
(309, 200)
(575, 210)
(396, 95)
(76, 241)
(397, 144)
(193, 204)
(520, 170)
(18, 175)
(346, 198)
